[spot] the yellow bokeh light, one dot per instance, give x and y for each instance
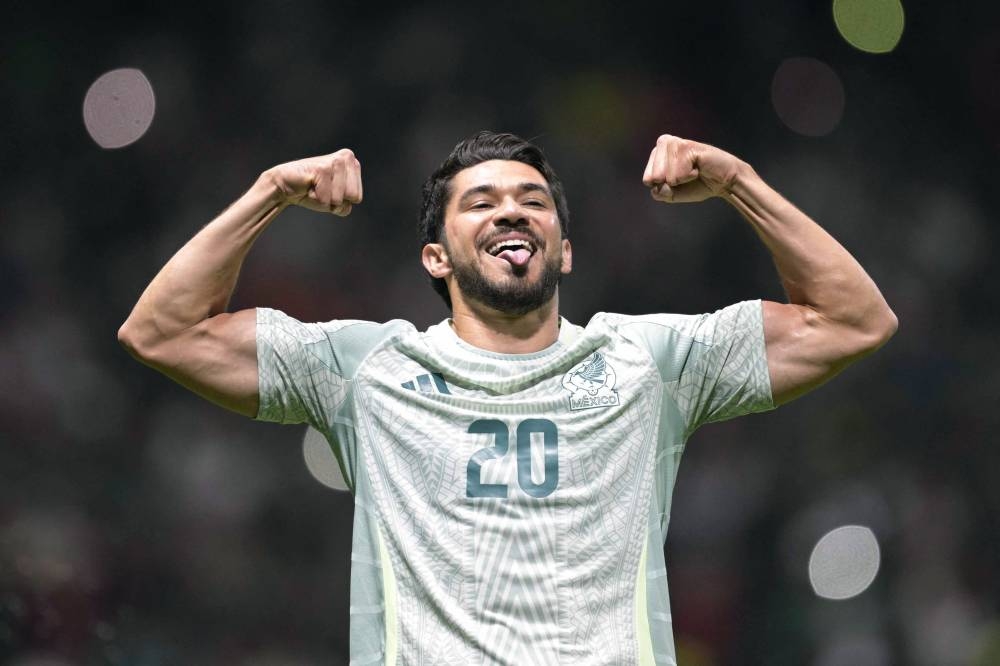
(874, 26)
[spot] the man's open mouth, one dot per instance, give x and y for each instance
(516, 251)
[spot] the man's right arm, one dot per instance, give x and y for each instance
(180, 326)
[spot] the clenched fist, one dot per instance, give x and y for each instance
(681, 171)
(328, 183)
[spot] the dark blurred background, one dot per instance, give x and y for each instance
(141, 525)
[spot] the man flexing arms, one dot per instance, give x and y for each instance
(512, 471)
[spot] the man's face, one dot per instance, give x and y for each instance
(502, 242)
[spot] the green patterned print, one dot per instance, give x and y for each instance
(511, 509)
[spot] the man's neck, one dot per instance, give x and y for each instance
(507, 334)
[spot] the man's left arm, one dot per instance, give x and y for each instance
(835, 314)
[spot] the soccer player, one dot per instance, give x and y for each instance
(512, 471)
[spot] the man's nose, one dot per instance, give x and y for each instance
(510, 212)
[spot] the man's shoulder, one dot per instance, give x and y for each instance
(280, 320)
(701, 326)
(623, 324)
(341, 344)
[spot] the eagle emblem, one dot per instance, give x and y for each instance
(591, 384)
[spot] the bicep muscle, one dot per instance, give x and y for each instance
(216, 358)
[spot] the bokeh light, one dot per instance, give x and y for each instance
(118, 108)
(808, 96)
(844, 562)
(873, 26)
(320, 461)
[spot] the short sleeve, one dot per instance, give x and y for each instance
(304, 369)
(714, 365)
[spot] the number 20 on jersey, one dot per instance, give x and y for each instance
(501, 444)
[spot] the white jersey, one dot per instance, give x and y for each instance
(512, 508)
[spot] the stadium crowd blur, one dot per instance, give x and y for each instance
(142, 525)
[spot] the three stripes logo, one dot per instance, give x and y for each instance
(431, 382)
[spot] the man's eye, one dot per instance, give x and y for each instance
(536, 203)
(482, 205)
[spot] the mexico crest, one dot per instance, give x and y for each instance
(591, 384)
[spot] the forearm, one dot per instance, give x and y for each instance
(198, 281)
(815, 270)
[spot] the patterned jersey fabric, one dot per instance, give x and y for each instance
(512, 508)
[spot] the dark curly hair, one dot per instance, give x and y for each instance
(481, 147)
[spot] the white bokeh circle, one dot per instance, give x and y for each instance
(844, 562)
(119, 107)
(320, 461)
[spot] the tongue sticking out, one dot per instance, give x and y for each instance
(516, 257)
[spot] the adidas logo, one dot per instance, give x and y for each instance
(430, 383)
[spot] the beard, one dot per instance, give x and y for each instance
(513, 294)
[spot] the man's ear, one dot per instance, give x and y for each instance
(435, 259)
(567, 256)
